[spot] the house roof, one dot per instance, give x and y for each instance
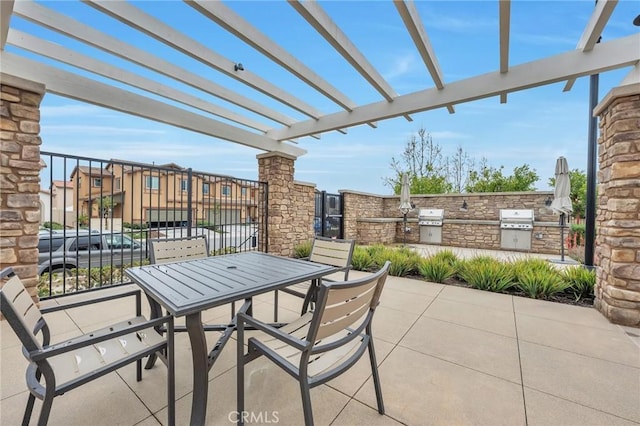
(250, 109)
(92, 171)
(62, 183)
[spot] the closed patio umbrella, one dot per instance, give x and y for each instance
(561, 203)
(405, 205)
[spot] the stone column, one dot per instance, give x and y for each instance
(20, 177)
(277, 170)
(618, 216)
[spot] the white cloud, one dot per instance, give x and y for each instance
(401, 65)
(98, 130)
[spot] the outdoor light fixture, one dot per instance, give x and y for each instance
(464, 207)
(548, 201)
(238, 67)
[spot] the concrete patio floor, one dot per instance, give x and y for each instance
(448, 356)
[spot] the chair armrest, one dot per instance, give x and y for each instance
(273, 332)
(89, 339)
(90, 301)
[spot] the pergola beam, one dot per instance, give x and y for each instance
(80, 88)
(65, 55)
(618, 53)
(505, 24)
(6, 10)
(593, 30)
(53, 20)
(136, 18)
(413, 23)
(327, 28)
(238, 26)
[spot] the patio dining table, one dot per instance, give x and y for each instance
(187, 288)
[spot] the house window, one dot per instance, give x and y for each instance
(97, 182)
(205, 188)
(152, 182)
(79, 181)
(117, 183)
(226, 190)
(184, 185)
(243, 191)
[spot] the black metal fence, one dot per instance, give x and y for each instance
(97, 216)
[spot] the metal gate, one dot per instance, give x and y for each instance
(328, 215)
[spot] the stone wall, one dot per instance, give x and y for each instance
(360, 206)
(477, 227)
(618, 218)
(304, 201)
(20, 177)
(376, 231)
(290, 204)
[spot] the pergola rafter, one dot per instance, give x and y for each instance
(412, 21)
(265, 124)
(593, 30)
(74, 86)
(505, 30)
(611, 55)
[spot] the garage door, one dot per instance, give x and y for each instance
(167, 215)
(224, 216)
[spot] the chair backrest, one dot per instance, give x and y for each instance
(177, 249)
(18, 308)
(333, 252)
(341, 304)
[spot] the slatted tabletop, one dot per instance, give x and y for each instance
(192, 286)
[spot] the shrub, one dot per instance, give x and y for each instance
(52, 225)
(224, 250)
(302, 250)
(539, 265)
(436, 269)
(380, 254)
(540, 283)
(446, 255)
(581, 281)
(486, 273)
(143, 225)
(401, 263)
(577, 233)
(361, 259)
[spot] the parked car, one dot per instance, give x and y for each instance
(59, 251)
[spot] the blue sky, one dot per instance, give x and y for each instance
(534, 127)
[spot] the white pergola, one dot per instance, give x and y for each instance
(278, 132)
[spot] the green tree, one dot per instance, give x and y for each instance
(491, 179)
(422, 160)
(578, 195)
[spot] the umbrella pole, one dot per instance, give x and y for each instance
(562, 237)
(404, 230)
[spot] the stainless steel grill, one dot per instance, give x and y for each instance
(430, 217)
(430, 221)
(516, 219)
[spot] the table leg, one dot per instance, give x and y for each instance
(200, 368)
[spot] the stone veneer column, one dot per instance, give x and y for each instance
(277, 168)
(20, 177)
(618, 217)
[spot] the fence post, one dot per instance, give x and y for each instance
(189, 201)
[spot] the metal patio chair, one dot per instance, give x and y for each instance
(177, 249)
(328, 251)
(69, 364)
(322, 343)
